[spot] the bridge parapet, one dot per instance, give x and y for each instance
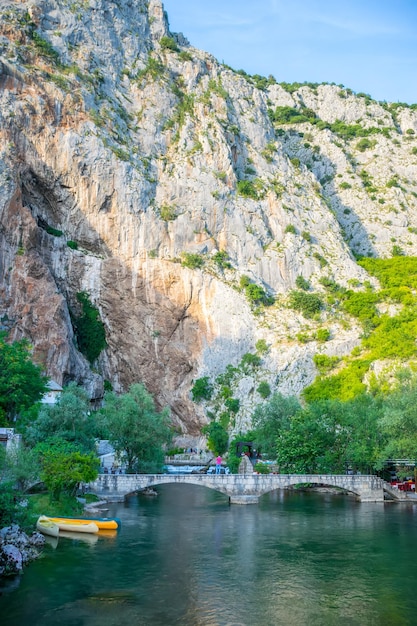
(241, 489)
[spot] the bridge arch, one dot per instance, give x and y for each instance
(240, 488)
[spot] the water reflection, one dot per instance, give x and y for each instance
(189, 558)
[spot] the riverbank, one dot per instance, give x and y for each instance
(17, 549)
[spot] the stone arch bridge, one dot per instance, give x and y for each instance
(241, 488)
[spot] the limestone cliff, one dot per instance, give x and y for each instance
(142, 172)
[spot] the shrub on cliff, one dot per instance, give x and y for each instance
(89, 329)
(202, 389)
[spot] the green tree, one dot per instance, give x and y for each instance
(217, 438)
(135, 429)
(270, 418)
(364, 439)
(22, 467)
(69, 419)
(64, 467)
(22, 383)
(306, 445)
(398, 421)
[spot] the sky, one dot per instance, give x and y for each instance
(369, 46)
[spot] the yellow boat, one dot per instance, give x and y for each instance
(78, 526)
(47, 526)
(102, 523)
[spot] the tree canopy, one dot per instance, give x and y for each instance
(69, 419)
(135, 428)
(22, 383)
(64, 467)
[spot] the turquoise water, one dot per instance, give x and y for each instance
(188, 558)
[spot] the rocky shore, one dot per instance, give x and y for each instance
(17, 549)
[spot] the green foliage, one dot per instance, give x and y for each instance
(184, 55)
(22, 383)
(217, 87)
(309, 304)
(244, 281)
(168, 43)
(307, 445)
(323, 334)
(325, 363)
(51, 231)
(227, 377)
(362, 304)
(250, 360)
(264, 389)
(72, 244)
(393, 182)
(247, 189)
(397, 250)
(331, 285)
(168, 213)
(261, 346)
(136, 430)
(398, 421)
(292, 87)
(154, 68)
(306, 236)
(217, 438)
(64, 468)
(288, 115)
(398, 272)
(255, 294)
(270, 418)
(345, 385)
(192, 260)
(44, 47)
(221, 258)
(290, 228)
(89, 329)
(69, 419)
(232, 404)
(22, 467)
(261, 468)
(302, 283)
(320, 258)
(345, 185)
(202, 389)
(365, 144)
(185, 107)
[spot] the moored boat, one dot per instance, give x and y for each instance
(47, 526)
(79, 526)
(102, 523)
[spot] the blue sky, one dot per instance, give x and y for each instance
(367, 45)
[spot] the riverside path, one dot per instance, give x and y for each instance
(241, 488)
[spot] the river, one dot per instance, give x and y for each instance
(188, 558)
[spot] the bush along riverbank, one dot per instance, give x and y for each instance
(17, 549)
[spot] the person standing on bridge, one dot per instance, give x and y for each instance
(218, 464)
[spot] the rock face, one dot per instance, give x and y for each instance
(140, 171)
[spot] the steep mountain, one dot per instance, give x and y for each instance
(160, 211)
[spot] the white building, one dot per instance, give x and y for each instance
(53, 393)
